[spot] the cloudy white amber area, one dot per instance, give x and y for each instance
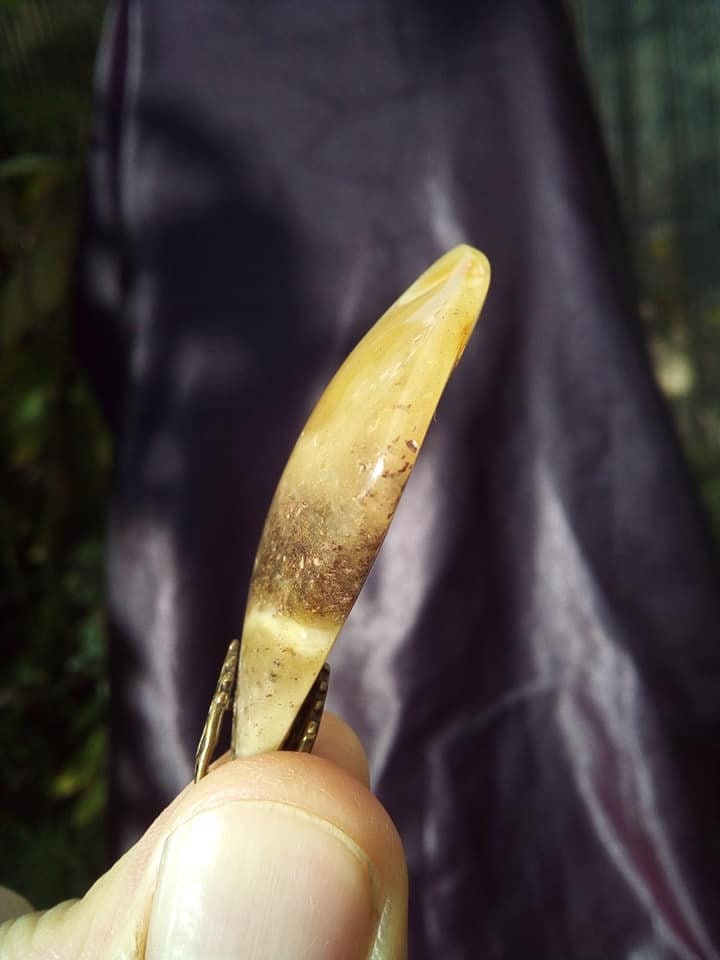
(339, 491)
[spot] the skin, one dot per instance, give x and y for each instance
(111, 919)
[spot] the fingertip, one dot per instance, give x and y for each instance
(318, 787)
(12, 904)
(338, 743)
(273, 804)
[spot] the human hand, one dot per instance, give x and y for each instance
(284, 856)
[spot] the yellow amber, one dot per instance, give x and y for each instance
(339, 491)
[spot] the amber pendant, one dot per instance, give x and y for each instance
(338, 493)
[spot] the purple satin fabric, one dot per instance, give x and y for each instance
(533, 664)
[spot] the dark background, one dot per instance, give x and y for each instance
(655, 70)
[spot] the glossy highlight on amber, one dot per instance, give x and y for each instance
(339, 490)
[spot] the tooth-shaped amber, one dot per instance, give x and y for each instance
(340, 488)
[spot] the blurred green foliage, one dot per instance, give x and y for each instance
(54, 464)
(656, 75)
(655, 72)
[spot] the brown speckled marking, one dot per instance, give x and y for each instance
(293, 534)
(314, 557)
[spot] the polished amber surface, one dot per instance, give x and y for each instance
(340, 488)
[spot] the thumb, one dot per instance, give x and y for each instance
(279, 856)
